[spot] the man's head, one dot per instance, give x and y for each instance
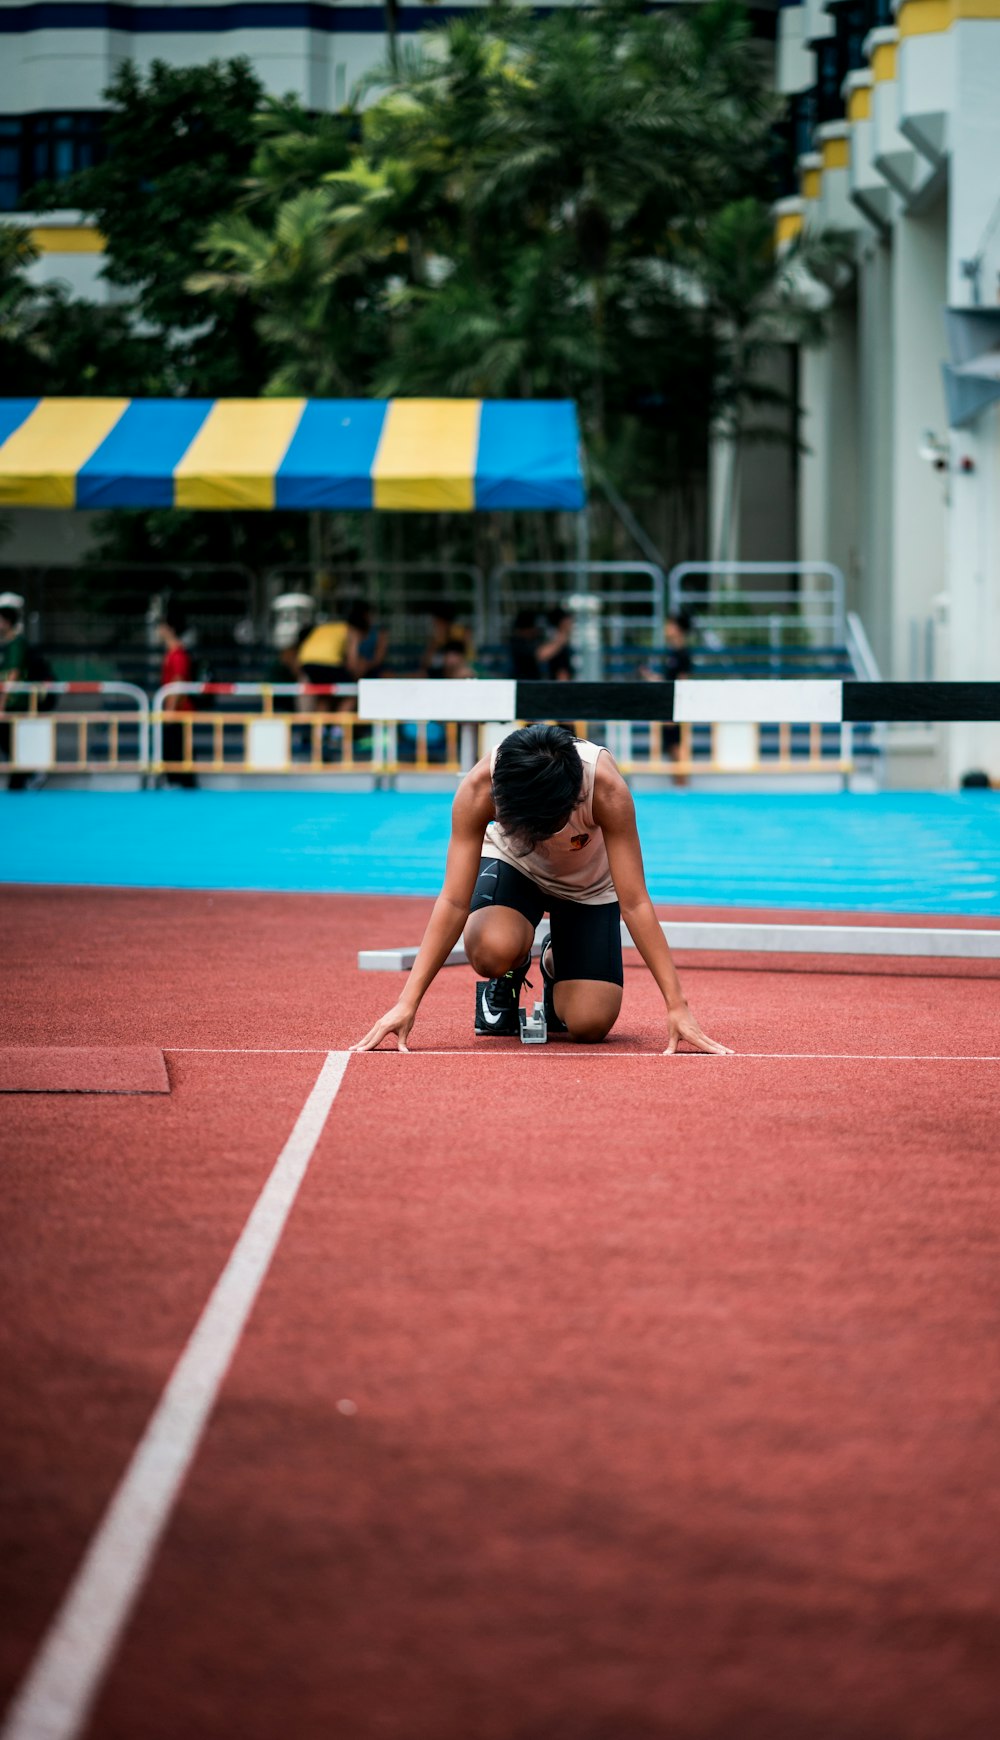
(453, 659)
(172, 625)
(11, 613)
(676, 629)
(537, 779)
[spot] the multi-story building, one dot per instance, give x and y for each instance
(57, 60)
(894, 141)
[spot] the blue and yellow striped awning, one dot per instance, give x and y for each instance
(416, 455)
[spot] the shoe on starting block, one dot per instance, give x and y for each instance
(534, 1030)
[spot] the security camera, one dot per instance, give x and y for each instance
(934, 451)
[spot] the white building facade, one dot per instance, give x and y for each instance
(57, 61)
(895, 143)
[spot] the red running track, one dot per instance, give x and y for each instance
(673, 1381)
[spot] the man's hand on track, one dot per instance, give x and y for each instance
(399, 1021)
(683, 1026)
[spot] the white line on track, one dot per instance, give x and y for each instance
(55, 1698)
(576, 1051)
(595, 1051)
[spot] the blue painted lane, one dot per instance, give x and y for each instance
(893, 852)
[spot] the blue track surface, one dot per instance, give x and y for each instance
(894, 852)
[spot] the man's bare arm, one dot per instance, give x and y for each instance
(614, 811)
(472, 809)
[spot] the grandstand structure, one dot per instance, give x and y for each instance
(893, 144)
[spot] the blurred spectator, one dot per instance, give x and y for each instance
(976, 780)
(525, 640)
(672, 663)
(367, 643)
(285, 668)
(675, 660)
(176, 668)
(13, 669)
(553, 655)
(445, 630)
(454, 660)
(323, 659)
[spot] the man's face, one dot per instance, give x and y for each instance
(8, 627)
(674, 635)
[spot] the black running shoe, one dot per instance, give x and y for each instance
(498, 1002)
(552, 1021)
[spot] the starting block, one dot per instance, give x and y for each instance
(533, 1028)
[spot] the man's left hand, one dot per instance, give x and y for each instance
(683, 1026)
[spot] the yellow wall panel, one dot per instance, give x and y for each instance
(859, 104)
(67, 239)
(923, 17)
(884, 61)
(931, 17)
(40, 461)
(787, 227)
(232, 461)
(836, 153)
(426, 459)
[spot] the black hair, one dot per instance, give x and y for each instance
(682, 619)
(526, 622)
(359, 616)
(455, 645)
(442, 611)
(557, 614)
(10, 614)
(173, 617)
(537, 779)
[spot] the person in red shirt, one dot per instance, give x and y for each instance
(176, 668)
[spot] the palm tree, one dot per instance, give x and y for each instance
(304, 274)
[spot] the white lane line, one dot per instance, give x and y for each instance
(576, 1051)
(609, 1052)
(55, 1698)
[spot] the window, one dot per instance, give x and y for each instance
(45, 147)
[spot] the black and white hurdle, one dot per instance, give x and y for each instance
(690, 701)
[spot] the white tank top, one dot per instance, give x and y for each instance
(573, 864)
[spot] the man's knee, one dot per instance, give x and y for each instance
(589, 1029)
(490, 959)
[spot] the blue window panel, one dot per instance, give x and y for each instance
(134, 465)
(330, 456)
(14, 412)
(529, 455)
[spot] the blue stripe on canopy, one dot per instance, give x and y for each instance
(14, 412)
(134, 465)
(330, 457)
(529, 455)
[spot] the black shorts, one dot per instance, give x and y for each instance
(586, 940)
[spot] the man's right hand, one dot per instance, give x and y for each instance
(399, 1021)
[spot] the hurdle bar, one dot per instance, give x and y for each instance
(705, 935)
(688, 701)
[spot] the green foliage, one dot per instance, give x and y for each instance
(521, 205)
(180, 141)
(530, 206)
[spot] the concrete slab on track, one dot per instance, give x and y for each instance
(92, 1069)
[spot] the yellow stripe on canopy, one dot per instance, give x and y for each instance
(233, 458)
(40, 460)
(426, 458)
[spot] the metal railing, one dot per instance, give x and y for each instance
(249, 735)
(288, 729)
(767, 611)
(633, 594)
(112, 737)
